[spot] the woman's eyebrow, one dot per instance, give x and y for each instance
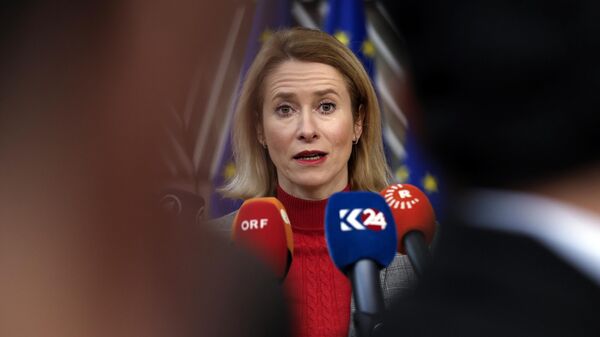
(325, 92)
(283, 95)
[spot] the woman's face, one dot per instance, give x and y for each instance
(308, 128)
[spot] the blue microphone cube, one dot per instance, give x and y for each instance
(359, 225)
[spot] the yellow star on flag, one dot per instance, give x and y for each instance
(430, 183)
(265, 35)
(342, 37)
(229, 171)
(402, 174)
(368, 49)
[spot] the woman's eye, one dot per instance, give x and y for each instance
(327, 107)
(284, 109)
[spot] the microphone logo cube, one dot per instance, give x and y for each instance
(359, 225)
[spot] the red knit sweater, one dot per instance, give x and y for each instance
(318, 293)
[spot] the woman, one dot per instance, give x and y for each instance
(308, 125)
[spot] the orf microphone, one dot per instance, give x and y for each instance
(262, 226)
(415, 223)
(361, 238)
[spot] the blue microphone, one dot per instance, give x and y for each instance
(361, 239)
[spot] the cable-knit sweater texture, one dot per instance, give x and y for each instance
(319, 294)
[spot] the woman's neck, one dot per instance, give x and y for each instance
(313, 194)
(304, 214)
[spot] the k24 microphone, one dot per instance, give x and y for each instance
(361, 238)
(415, 223)
(262, 226)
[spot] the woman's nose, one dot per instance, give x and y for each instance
(307, 130)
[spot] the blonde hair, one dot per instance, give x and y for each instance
(256, 175)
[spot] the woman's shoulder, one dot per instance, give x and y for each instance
(398, 277)
(223, 223)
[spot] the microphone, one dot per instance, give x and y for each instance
(262, 226)
(415, 223)
(361, 239)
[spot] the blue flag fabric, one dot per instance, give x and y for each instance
(417, 169)
(269, 15)
(220, 205)
(347, 21)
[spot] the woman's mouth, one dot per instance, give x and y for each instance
(310, 157)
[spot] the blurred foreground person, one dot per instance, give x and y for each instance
(509, 93)
(84, 249)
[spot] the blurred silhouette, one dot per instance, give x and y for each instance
(508, 98)
(85, 248)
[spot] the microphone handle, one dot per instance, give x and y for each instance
(366, 288)
(417, 251)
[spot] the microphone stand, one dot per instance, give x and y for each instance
(366, 289)
(417, 251)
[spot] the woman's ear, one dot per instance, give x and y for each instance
(358, 123)
(260, 134)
